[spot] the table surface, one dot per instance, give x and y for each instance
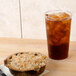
(66, 67)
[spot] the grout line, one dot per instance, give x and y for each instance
(21, 32)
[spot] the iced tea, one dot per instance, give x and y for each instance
(58, 34)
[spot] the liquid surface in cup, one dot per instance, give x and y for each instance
(58, 33)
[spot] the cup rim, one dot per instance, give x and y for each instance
(52, 11)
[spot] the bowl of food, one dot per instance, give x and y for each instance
(26, 63)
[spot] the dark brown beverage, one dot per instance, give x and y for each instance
(58, 34)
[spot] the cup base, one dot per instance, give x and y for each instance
(58, 58)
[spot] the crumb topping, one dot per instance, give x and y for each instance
(27, 61)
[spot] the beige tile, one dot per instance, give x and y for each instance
(33, 13)
(9, 18)
(34, 20)
(73, 28)
(65, 4)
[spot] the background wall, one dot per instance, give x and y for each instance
(33, 20)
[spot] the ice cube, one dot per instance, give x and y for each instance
(62, 15)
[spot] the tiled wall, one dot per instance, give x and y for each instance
(9, 18)
(33, 20)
